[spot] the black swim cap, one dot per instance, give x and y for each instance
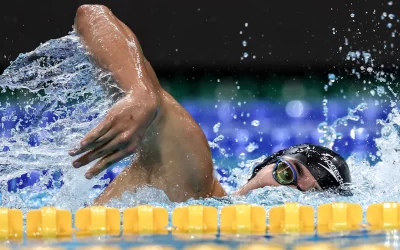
(327, 167)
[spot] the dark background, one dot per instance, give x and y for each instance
(287, 37)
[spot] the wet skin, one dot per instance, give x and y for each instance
(172, 151)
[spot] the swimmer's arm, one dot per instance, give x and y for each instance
(117, 50)
(112, 47)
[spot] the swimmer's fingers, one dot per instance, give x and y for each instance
(96, 144)
(87, 142)
(99, 152)
(105, 162)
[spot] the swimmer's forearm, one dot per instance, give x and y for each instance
(107, 43)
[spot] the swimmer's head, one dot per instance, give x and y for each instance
(305, 167)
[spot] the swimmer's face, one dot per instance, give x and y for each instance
(305, 181)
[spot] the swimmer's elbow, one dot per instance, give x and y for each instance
(90, 9)
(89, 12)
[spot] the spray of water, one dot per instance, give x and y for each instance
(50, 98)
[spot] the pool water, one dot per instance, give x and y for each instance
(230, 242)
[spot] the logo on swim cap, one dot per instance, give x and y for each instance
(331, 168)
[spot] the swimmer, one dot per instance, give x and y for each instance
(172, 152)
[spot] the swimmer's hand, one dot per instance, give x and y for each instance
(119, 134)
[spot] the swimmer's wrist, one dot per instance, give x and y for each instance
(148, 95)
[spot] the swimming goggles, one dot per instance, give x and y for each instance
(285, 174)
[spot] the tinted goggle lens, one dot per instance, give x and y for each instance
(284, 173)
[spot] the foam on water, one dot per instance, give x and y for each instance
(51, 97)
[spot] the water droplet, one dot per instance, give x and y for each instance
(323, 127)
(332, 77)
(245, 54)
(246, 24)
(255, 123)
(244, 43)
(366, 56)
(352, 15)
(216, 127)
(380, 90)
(372, 92)
(242, 156)
(389, 25)
(251, 147)
(218, 138)
(362, 106)
(391, 16)
(240, 32)
(390, 3)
